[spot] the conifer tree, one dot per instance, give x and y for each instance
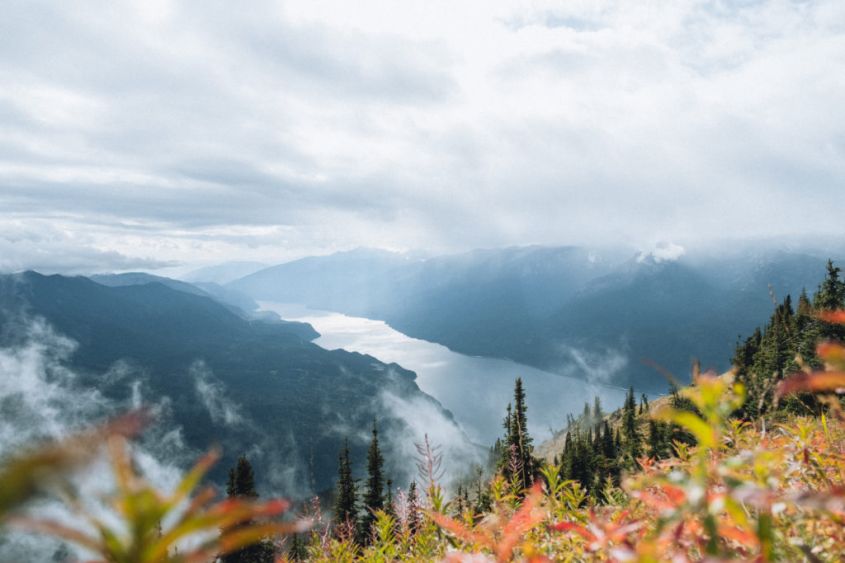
(518, 441)
(374, 495)
(658, 439)
(629, 427)
(388, 500)
(345, 508)
(241, 484)
(831, 293)
(298, 549)
(598, 414)
(610, 453)
(414, 518)
(830, 297)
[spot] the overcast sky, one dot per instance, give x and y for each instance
(142, 134)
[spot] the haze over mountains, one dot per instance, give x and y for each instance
(216, 369)
(549, 306)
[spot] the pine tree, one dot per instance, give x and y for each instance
(598, 414)
(503, 446)
(519, 443)
(831, 293)
(830, 297)
(374, 496)
(298, 549)
(241, 484)
(629, 426)
(388, 501)
(345, 508)
(414, 517)
(610, 453)
(658, 439)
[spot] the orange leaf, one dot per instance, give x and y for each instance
(461, 531)
(738, 535)
(575, 527)
(525, 518)
(837, 317)
(831, 353)
(813, 382)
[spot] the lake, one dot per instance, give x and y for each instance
(476, 390)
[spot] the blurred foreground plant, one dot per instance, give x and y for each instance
(184, 526)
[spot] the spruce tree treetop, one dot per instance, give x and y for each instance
(519, 442)
(241, 481)
(345, 508)
(831, 293)
(374, 495)
(241, 484)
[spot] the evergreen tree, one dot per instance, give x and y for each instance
(503, 446)
(629, 427)
(241, 484)
(374, 496)
(298, 549)
(610, 454)
(831, 293)
(414, 517)
(388, 501)
(658, 439)
(345, 508)
(830, 297)
(598, 414)
(518, 442)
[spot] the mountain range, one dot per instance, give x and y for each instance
(217, 375)
(543, 306)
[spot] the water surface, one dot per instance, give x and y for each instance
(477, 390)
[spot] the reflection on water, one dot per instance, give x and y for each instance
(476, 390)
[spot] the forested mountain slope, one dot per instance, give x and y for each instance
(252, 386)
(548, 307)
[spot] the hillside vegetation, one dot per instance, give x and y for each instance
(746, 466)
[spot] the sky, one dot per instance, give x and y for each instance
(168, 134)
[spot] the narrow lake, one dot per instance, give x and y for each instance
(477, 390)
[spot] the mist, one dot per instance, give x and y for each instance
(41, 399)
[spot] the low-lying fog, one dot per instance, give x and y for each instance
(476, 390)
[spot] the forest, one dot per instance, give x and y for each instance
(745, 465)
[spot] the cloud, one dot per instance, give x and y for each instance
(40, 245)
(662, 252)
(41, 399)
(212, 394)
(216, 132)
(597, 368)
(423, 417)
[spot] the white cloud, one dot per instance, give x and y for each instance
(662, 252)
(41, 399)
(212, 394)
(304, 127)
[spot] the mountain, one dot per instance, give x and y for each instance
(356, 281)
(255, 387)
(141, 278)
(236, 301)
(562, 309)
(223, 273)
